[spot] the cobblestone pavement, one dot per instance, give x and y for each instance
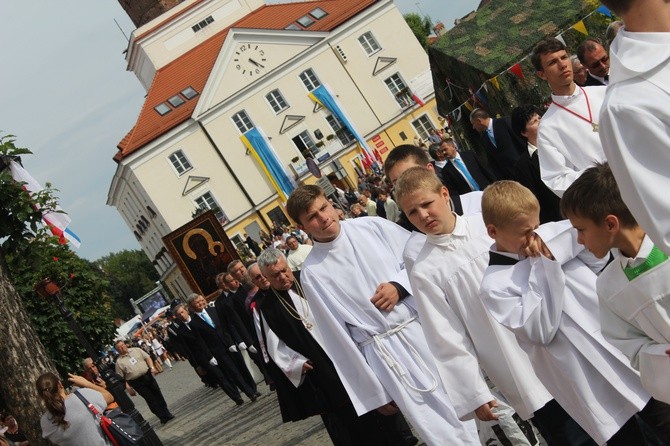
(205, 416)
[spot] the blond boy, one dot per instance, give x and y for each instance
(460, 333)
(549, 301)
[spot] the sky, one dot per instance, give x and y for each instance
(66, 95)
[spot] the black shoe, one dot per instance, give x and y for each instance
(253, 398)
(166, 419)
(239, 401)
(257, 394)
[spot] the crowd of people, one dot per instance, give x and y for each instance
(516, 295)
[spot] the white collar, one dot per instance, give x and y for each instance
(565, 100)
(641, 256)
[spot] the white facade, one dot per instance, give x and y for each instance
(362, 61)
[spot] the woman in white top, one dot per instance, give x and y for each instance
(67, 421)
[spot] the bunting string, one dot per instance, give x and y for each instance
(478, 97)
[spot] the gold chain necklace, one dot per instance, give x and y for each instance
(292, 311)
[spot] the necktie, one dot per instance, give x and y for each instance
(489, 132)
(205, 317)
(460, 166)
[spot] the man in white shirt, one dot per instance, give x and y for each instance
(568, 141)
(635, 116)
(297, 253)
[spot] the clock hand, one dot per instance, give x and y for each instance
(256, 63)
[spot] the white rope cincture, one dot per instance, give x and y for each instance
(394, 365)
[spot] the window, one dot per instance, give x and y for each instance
(318, 13)
(207, 201)
(276, 101)
(306, 21)
(396, 85)
(293, 27)
(242, 121)
(176, 101)
(422, 125)
(342, 133)
(189, 92)
(309, 79)
(201, 24)
(306, 145)
(162, 109)
(179, 162)
(369, 43)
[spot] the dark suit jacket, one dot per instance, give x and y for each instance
(193, 343)
(592, 81)
(452, 178)
(509, 147)
(216, 339)
(528, 173)
(228, 314)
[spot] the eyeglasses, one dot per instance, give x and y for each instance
(602, 61)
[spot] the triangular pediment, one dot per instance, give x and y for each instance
(289, 122)
(192, 183)
(249, 57)
(317, 107)
(382, 64)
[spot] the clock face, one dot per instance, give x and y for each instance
(250, 60)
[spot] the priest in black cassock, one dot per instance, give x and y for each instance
(306, 381)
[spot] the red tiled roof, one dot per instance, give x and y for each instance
(193, 68)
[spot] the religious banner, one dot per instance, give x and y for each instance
(201, 250)
(261, 150)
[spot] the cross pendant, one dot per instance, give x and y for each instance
(596, 127)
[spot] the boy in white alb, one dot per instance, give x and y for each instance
(634, 289)
(635, 117)
(567, 140)
(460, 332)
(353, 279)
(549, 301)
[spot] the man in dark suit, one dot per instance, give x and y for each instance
(206, 323)
(593, 55)
(464, 172)
(201, 356)
(525, 121)
(502, 146)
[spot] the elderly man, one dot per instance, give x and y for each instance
(202, 355)
(361, 301)
(300, 366)
(502, 146)
(206, 323)
(136, 367)
(578, 71)
(594, 57)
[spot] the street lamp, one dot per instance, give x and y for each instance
(50, 291)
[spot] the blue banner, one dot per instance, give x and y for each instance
(260, 149)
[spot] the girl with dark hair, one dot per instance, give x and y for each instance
(67, 421)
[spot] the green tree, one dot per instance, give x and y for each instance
(35, 338)
(421, 27)
(24, 357)
(131, 275)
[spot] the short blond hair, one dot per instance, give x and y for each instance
(417, 178)
(504, 201)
